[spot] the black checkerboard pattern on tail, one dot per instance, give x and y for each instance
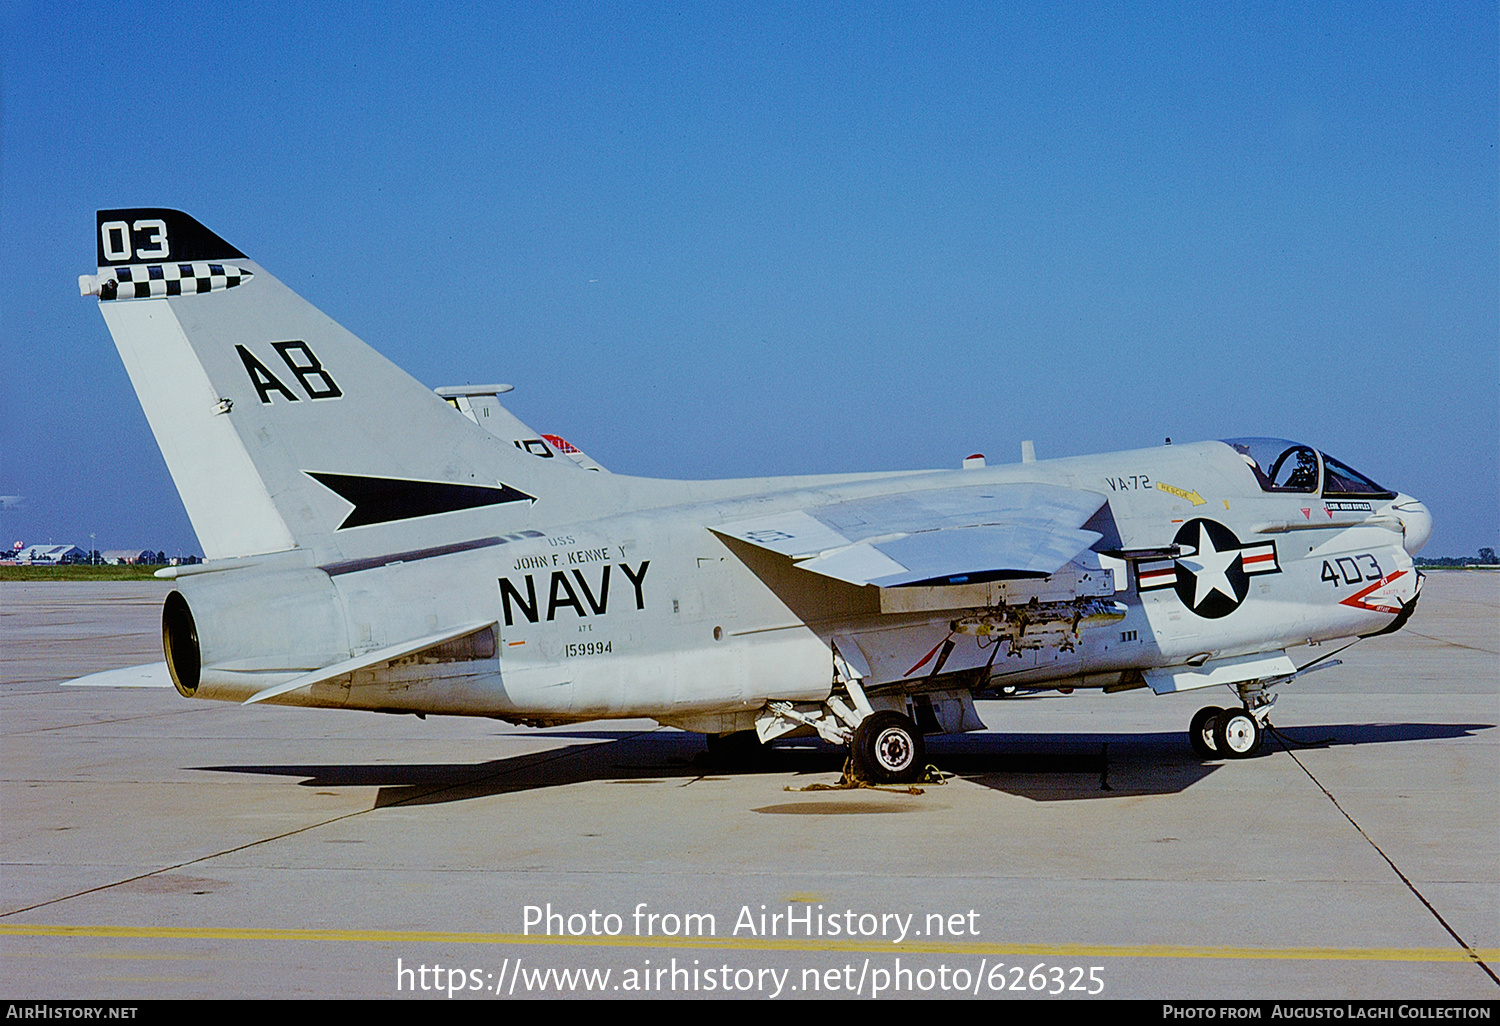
(148, 281)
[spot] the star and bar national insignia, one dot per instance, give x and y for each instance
(1212, 570)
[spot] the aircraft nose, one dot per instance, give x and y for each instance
(1416, 523)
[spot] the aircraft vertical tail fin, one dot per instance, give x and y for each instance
(280, 428)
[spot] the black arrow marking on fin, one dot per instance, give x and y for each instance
(381, 500)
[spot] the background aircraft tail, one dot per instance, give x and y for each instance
(280, 428)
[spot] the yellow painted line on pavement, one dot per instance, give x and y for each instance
(810, 944)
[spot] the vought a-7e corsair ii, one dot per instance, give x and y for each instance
(374, 544)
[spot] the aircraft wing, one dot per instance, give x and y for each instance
(962, 535)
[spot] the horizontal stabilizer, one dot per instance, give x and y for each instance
(946, 536)
(380, 655)
(481, 404)
(150, 675)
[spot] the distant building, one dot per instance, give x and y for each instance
(51, 554)
(128, 557)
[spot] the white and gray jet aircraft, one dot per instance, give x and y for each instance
(373, 544)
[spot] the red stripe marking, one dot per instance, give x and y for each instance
(923, 661)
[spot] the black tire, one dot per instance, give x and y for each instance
(1237, 734)
(1201, 732)
(888, 749)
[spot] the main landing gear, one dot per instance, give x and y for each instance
(888, 749)
(886, 746)
(1227, 733)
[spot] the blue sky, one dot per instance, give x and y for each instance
(719, 240)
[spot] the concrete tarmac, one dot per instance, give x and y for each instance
(157, 847)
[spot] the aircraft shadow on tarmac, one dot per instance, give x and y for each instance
(1042, 767)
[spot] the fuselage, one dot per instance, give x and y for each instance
(652, 613)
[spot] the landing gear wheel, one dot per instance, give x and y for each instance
(888, 749)
(1237, 734)
(1201, 731)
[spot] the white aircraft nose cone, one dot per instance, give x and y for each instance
(1416, 523)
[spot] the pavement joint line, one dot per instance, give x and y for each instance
(1455, 644)
(1477, 957)
(742, 943)
(98, 723)
(561, 753)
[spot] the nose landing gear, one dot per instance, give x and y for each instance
(1201, 731)
(1218, 733)
(1237, 734)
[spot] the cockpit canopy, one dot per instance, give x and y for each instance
(1283, 466)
